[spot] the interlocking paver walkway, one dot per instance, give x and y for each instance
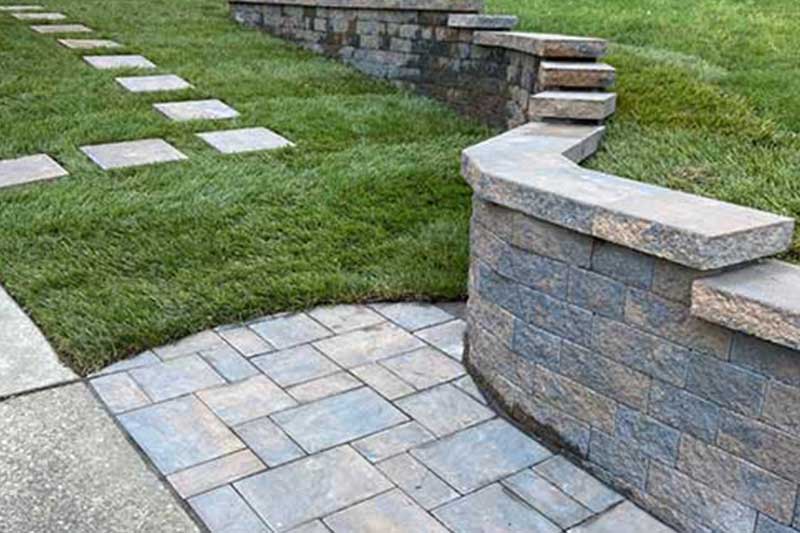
(348, 419)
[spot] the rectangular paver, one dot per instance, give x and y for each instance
(324, 387)
(368, 345)
(132, 153)
(245, 340)
(413, 316)
(392, 441)
(119, 392)
(626, 516)
(311, 488)
(28, 169)
(199, 342)
(213, 474)
(343, 318)
(176, 377)
(383, 381)
(547, 499)
(269, 442)
(244, 140)
(196, 110)
(448, 337)
(229, 363)
(444, 409)
(89, 44)
(424, 368)
(392, 512)
(246, 400)
(151, 84)
(39, 16)
(283, 331)
(578, 484)
(61, 28)
(417, 481)
(222, 510)
(119, 61)
(295, 365)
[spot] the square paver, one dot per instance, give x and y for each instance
(424, 368)
(118, 61)
(417, 481)
(176, 377)
(196, 110)
(413, 316)
(119, 392)
(392, 512)
(244, 140)
(199, 342)
(444, 409)
(547, 499)
(493, 510)
(368, 345)
(323, 387)
(42, 17)
(448, 337)
(295, 365)
(283, 331)
(61, 28)
(152, 84)
(343, 318)
(246, 341)
(481, 455)
(27, 169)
(392, 441)
(179, 433)
(338, 419)
(246, 400)
(213, 474)
(229, 363)
(578, 484)
(223, 510)
(311, 488)
(132, 153)
(89, 44)
(382, 380)
(269, 442)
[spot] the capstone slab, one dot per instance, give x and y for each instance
(88, 44)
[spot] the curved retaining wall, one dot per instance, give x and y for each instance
(639, 328)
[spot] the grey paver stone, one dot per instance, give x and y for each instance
(413, 316)
(289, 330)
(311, 527)
(547, 499)
(207, 476)
(417, 481)
(392, 441)
(626, 516)
(229, 363)
(368, 345)
(29, 168)
(383, 381)
(392, 512)
(150, 84)
(196, 110)
(61, 28)
(338, 419)
(578, 484)
(205, 340)
(179, 433)
(311, 488)
(268, 441)
(244, 140)
(295, 365)
(245, 340)
(324, 387)
(424, 368)
(491, 510)
(132, 153)
(224, 511)
(342, 318)
(119, 392)
(444, 409)
(146, 358)
(88, 44)
(109, 62)
(448, 337)
(39, 16)
(246, 400)
(467, 384)
(480, 455)
(176, 377)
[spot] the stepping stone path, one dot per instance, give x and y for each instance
(28, 169)
(244, 140)
(62, 28)
(39, 16)
(117, 62)
(87, 44)
(132, 153)
(149, 84)
(348, 419)
(196, 110)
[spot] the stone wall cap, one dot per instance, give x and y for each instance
(533, 171)
(544, 44)
(456, 6)
(482, 21)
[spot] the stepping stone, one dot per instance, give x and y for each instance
(62, 28)
(116, 62)
(27, 169)
(39, 16)
(392, 512)
(244, 140)
(132, 153)
(151, 84)
(196, 110)
(21, 8)
(86, 44)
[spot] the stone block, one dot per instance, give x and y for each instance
(618, 457)
(283, 331)
(556, 316)
(544, 45)
(482, 21)
(597, 293)
(88, 44)
(417, 481)
(674, 282)
(623, 264)
(546, 498)
(29, 169)
(196, 110)
(244, 340)
(552, 241)
(625, 517)
(132, 153)
(424, 368)
(229, 363)
(193, 344)
(684, 411)
(648, 435)
(578, 484)
(207, 476)
(119, 392)
(766, 358)
(267, 441)
(245, 140)
(497, 289)
(767, 525)
(61, 28)
(108, 62)
(39, 16)
(726, 384)
(782, 407)
(344, 318)
(149, 84)
(760, 444)
(447, 337)
(539, 272)
(498, 219)
(413, 316)
(575, 75)
(247, 15)
(572, 105)
(557, 425)
(536, 345)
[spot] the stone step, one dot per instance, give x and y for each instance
(575, 75)
(482, 22)
(544, 44)
(572, 105)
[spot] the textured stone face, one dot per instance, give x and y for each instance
(483, 22)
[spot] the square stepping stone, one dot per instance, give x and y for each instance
(132, 153)
(392, 512)
(413, 316)
(244, 140)
(179, 433)
(323, 387)
(27, 169)
(176, 378)
(27, 7)
(493, 509)
(207, 476)
(547, 499)
(283, 331)
(338, 419)
(119, 392)
(392, 441)
(196, 110)
(444, 409)
(151, 84)
(424, 368)
(61, 28)
(117, 62)
(448, 337)
(246, 341)
(481, 455)
(246, 400)
(88, 44)
(343, 318)
(39, 16)
(269, 442)
(417, 481)
(368, 345)
(223, 510)
(311, 488)
(295, 365)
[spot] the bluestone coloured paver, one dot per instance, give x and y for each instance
(392, 441)
(179, 433)
(295, 365)
(342, 318)
(39, 16)
(547, 499)
(578, 484)
(132, 153)
(196, 110)
(269, 442)
(448, 337)
(245, 340)
(28, 169)
(466, 384)
(311, 527)
(417, 481)
(199, 342)
(424, 368)
(61, 28)
(150, 84)
(392, 512)
(413, 316)
(246, 400)
(284, 331)
(311, 488)
(444, 409)
(176, 377)
(368, 345)
(118, 61)
(383, 381)
(244, 140)
(625, 515)
(229, 363)
(223, 510)
(119, 392)
(89, 44)
(213, 474)
(143, 359)
(324, 387)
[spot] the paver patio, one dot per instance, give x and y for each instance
(88, 44)
(61, 28)
(119, 62)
